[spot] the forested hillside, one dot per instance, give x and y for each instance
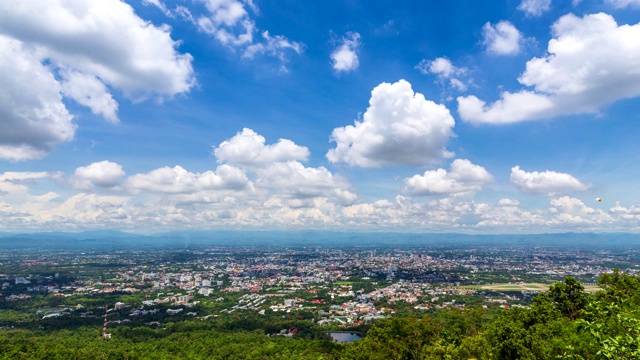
(563, 323)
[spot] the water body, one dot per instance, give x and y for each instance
(344, 337)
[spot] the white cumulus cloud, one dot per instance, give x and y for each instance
(505, 202)
(32, 115)
(502, 38)
(534, 7)
(230, 22)
(512, 107)
(464, 177)
(288, 195)
(278, 174)
(582, 72)
(293, 179)
(104, 38)
(13, 182)
(570, 213)
(87, 210)
(89, 91)
(177, 180)
(400, 127)
(345, 56)
(445, 70)
(440, 66)
(248, 148)
(508, 214)
(79, 49)
(105, 174)
(545, 182)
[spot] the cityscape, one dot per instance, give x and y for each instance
(344, 287)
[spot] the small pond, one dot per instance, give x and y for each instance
(344, 337)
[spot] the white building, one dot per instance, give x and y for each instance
(205, 291)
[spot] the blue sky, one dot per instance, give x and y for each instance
(425, 116)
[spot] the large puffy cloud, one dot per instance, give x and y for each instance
(464, 177)
(570, 212)
(78, 49)
(105, 174)
(177, 180)
(502, 38)
(282, 191)
(585, 60)
(345, 56)
(582, 72)
(248, 148)
(294, 180)
(545, 182)
(104, 38)
(279, 175)
(534, 7)
(32, 115)
(400, 127)
(91, 209)
(512, 107)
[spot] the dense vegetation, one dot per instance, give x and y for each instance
(563, 323)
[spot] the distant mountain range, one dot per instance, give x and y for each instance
(203, 239)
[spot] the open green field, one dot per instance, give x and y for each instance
(520, 287)
(343, 282)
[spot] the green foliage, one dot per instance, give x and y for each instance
(521, 334)
(569, 297)
(617, 287)
(564, 323)
(434, 337)
(144, 343)
(396, 338)
(609, 330)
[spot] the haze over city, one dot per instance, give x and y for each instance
(471, 117)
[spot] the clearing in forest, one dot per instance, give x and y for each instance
(521, 287)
